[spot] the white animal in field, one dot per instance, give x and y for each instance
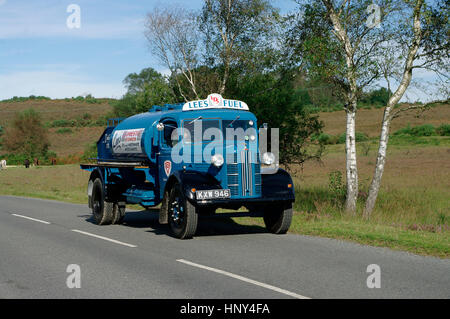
(3, 164)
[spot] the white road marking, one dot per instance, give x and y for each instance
(254, 282)
(104, 238)
(33, 219)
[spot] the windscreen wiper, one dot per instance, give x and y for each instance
(231, 123)
(198, 118)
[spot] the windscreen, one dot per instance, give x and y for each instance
(237, 129)
(204, 124)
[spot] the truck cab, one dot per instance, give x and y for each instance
(191, 159)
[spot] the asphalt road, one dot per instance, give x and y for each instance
(141, 260)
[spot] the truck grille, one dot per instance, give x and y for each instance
(244, 178)
(246, 174)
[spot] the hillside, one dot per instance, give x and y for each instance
(412, 209)
(74, 140)
(369, 121)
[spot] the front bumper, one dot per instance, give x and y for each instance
(233, 202)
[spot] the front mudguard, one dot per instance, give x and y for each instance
(278, 185)
(187, 181)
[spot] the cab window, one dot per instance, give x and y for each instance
(169, 127)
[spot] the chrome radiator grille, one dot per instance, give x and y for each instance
(244, 176)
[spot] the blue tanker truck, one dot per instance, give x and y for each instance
(168, 156)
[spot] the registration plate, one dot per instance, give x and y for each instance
(213, 194)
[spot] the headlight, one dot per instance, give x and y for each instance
(217, 160)
(268, 158)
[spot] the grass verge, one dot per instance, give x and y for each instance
(422, 230)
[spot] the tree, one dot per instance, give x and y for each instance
(145, 89)
(136, 83)
(272, 99)
(333, 44)
(233, 31)
(27, 136)
(354, 45)
(173, 37)
(377, 97)
(423, 41)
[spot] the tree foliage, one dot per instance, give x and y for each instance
(145, 89)
(271, 97)
(27, 135)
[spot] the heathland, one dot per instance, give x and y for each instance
(412, 211)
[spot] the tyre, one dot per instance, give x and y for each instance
(118, 213)
(278, 218)
(183, 217)
(102, 211)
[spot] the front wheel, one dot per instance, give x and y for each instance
(183, 217)
(278, 218)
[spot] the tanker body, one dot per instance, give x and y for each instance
(191, 158)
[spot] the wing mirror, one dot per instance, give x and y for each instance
(160, 127)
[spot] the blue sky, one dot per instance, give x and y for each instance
(40, 55)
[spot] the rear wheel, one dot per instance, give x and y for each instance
(183, 218)
(102, 211)
(118, 213)
(278, 218)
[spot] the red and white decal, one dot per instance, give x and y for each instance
(127, 141)
(167, 167)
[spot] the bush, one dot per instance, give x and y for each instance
(61, 123)
(64, 130)
(27, 135)
(90, 151)
(359, 136)
(14, 159)
(325, 138)
(443, 130)
(23, 99)
(337, 188)
(421, 130)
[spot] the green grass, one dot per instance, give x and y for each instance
(410, 218)
(61, 182)
(369, 233)
(416, 220)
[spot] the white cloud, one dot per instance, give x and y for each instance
(55, 84)
(37, 20)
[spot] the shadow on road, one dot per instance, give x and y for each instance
(208, 225)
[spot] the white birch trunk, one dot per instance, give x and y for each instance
(379, 166)
(351, 167)
(350, 141)
(387, 117)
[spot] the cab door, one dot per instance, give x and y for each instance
(165, 163)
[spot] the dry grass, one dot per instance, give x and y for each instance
(73, 143)
(369, 121)
(51, 110)
(63, 145)
(412, 211)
